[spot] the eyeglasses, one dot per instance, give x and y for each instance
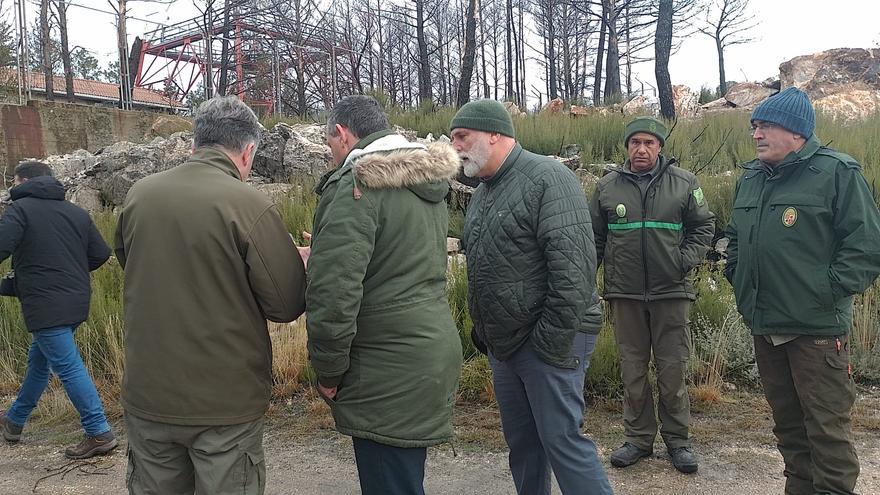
(763, 126)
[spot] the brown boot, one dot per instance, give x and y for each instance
(92, 446)
(11, 433)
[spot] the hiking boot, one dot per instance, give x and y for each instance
(92, 446)
(627, 455)
(684, 459)
(11, 433)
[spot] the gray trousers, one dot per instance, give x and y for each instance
(166, 459)
(542, 415)
(661, 327)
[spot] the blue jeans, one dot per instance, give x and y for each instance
(542, 415)
(55, 349)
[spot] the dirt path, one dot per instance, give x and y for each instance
(736, 448)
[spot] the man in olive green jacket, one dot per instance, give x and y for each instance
(381, 336)
(207, 261)
(531, 266)
(804, 238)
(652, 227)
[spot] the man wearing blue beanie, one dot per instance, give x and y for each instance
(804, 238)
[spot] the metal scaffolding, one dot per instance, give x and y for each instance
(174, 58)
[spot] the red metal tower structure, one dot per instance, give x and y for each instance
(174, 58)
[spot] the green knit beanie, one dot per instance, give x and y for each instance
(483, 115)
(648, 125)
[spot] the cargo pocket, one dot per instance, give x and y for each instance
(254, 474)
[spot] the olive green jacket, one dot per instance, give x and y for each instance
(804, 237)
(379, 323)
(651, 242)
(207, 261)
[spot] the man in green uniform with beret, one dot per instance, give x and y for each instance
(652, 228)
(804, 238)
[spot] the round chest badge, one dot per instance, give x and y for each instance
(789, 216)
(620, 210)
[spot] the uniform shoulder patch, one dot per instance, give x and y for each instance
(699, 197)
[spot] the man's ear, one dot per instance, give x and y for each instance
(494, 138)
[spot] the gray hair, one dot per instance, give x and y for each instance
(225, 121)
(360, 114)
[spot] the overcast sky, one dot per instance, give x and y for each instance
(786, 29)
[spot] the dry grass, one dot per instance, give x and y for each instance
(290, 359)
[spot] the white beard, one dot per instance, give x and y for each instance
(471, 168)
(477, 159)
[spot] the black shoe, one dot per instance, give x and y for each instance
(11, 433)
(627, 455)
(684, 459)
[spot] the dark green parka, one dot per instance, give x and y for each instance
(804, 237)
(650, 242)
(531, 259)
(379, 324)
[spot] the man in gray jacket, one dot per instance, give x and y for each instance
(531, 265)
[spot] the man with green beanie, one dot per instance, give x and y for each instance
(804, 238)
(652, 227)
(531, 266)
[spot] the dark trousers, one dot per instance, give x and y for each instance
(542, 414)
(811, 392)
(661, 327)
(387, 470)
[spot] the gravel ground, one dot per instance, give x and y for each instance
(736, 449)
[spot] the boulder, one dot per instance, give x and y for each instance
(305, 155)
(851, 106)
(571, 151)
(747, 95)
(453, 245)
(274, 190)
(687, 103)
(772, 83)
(85, 197)
(717, 105)
(642, 105)
(552, 107)
(513, 110)
(166, 125)
(579, 111)
(587, 179)
(833, 71)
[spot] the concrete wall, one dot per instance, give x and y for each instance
(42, 128)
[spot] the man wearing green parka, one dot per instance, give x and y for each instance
(652, 227)
(804, 238)
(381, 336)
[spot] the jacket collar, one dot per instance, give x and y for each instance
(810, 147)
(508, 164)
(217, 159)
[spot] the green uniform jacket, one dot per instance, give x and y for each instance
(379, 322)
(531, 260)
(207, 260)
(650, 242)
(804, 237)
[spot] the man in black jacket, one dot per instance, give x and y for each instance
(531, 265)
(54, 245)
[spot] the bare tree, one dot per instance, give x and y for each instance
(727, 23)
(60, 8)
(46, 50)
(467, 65)
(663, 47)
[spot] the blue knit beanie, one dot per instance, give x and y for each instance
(790, 109)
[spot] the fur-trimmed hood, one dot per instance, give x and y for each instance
(394, 162)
